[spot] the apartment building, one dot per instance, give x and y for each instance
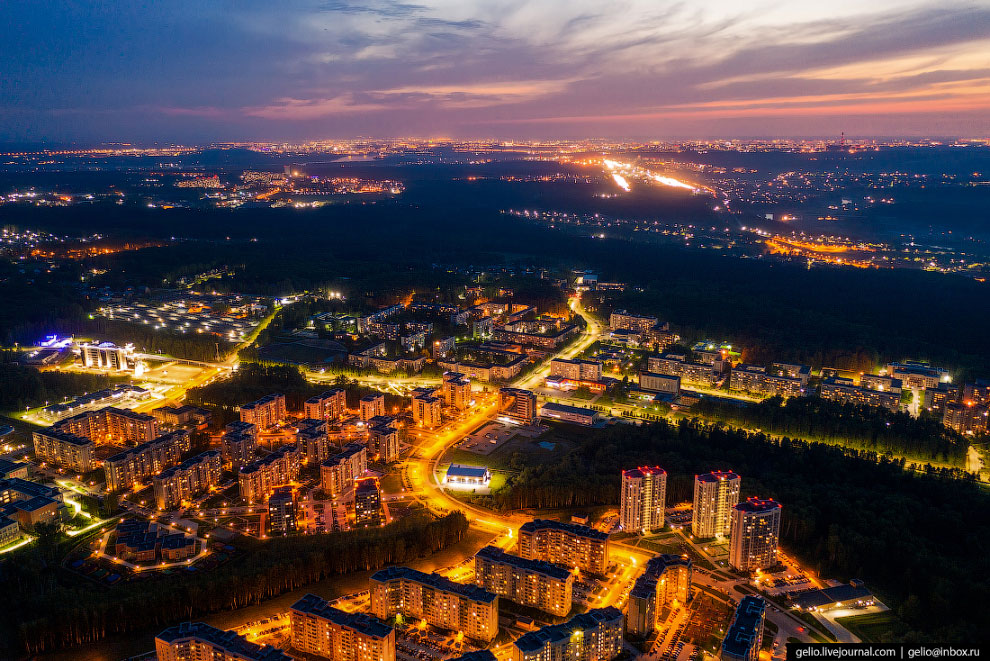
(838, 389)
(322, 630)
(666, 580)
(456, 390)
(744, 638)
(754, 530)
(110, 425)
(197, 641)
(64, 449)
(715, 494)
(643, 498)
(371, 406)
(383, 439)
(330, 405)
(435, 599)
(264, 413)
(190, 478)
(126, 468)
(567, 544)
(238, 444)
(528, 582)
(517, 405)
(578, 370)
(337, 474)
(258, 479)
(699, 374)
(592, 636)
(312, 439)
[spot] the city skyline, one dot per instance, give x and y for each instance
(191, 72)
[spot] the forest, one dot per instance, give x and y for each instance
(56, 610)
(869, 428)
(23, 386)
(918, 540)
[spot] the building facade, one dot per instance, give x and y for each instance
(337, 474)
(643, 499)
(259, 478)
(715, 494)
(592, 636)
(744, 638)
(264, 413)
(330, 405)
(528, 582)
(567, 544)
(319, 629)
(518, 405)
(666, 580)
(197, 641)
(754, 533)
(125, 469)
(435, 599)
(190, 478)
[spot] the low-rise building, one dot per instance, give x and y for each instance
(571, 414)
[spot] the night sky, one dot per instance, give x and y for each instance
(207, 70)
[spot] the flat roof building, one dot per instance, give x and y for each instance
(754, 530)
(436, 599)
(744, 638)
(197, 641)
(567, 544)
(592, 636)
(643, 499)
(528, 582)
(666, 579)
(320, 629)
(572, 414)
(715, 494)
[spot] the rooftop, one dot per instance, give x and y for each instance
(536, 640)
(472, 592)
(496, 554)
(361, 622)
(228, 640)
(572, 528)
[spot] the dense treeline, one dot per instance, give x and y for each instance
(255, 380)
(22, 386)
(50, 615)
(869, 428)
(918, 540)
(146, 339)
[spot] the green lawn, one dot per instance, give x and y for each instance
(874, 627)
